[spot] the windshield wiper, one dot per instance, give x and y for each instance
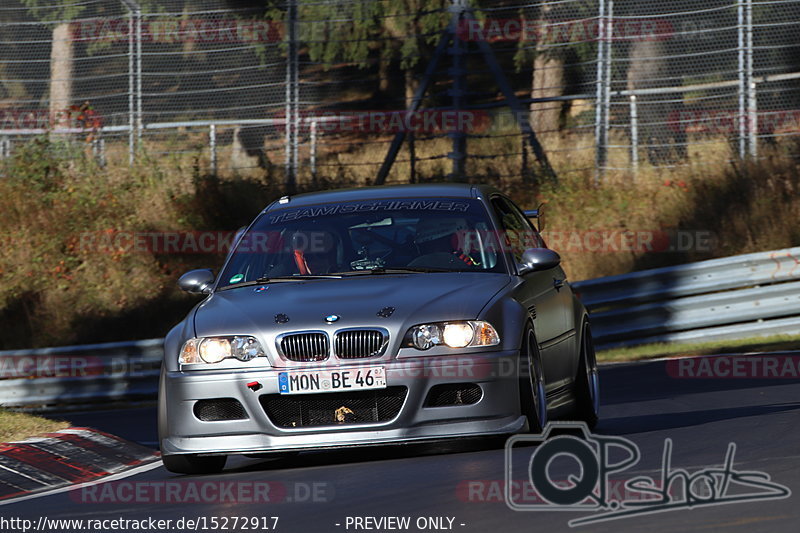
(278, 279)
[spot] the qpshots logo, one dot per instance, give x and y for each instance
(595, 463)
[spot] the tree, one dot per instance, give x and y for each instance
(62, 53)
(556, 45)
(393, 33)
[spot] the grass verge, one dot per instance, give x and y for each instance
(16, 426)
(652, 351)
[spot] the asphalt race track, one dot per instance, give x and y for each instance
(460, 481)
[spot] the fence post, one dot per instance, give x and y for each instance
(742, 81)
(139, 117)
(600, 145)
(634, 134)
(607, 84)
(312, 158)
(134, 77)
(752, 103)
(459, 154)
(212, 145)
(99, 150)
(131, 89)
(290, 154)
(524, 161)
(412, 157)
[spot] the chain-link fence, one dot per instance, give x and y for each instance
(713, 82)
(305, 90)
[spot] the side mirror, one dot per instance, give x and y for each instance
(197, 281)
(538, 259)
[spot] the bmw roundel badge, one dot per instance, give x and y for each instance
(330, 319)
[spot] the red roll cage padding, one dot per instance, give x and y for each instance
(300, 261)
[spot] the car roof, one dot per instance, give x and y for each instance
(427, 190)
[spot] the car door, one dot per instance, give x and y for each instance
(545, 294)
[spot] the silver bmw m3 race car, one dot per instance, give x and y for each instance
(375, 316)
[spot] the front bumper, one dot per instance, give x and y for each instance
(497, 412)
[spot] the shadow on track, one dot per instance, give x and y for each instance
(645, 381)
(371, 454)
(656, 422)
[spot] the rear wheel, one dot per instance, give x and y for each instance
(193, 464)
(587, 382)
(533, 398)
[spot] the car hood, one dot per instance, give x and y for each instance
(416, 298)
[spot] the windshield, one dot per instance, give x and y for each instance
(434, 234)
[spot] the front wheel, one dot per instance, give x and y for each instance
(587, 382)
(193, 464)
(533, 398)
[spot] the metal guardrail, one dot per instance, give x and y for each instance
(722, 299)
(80, 374)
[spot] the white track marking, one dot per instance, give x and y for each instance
(113, 477)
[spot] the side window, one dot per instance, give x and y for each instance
(519, 234)
(534, 238)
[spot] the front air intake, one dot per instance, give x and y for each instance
(454, 394)
(334, 409)
(219, 409)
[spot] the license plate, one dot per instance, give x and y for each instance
(313, 381)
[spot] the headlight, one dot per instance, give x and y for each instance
(425, 336)
(453, 334)
(458, 335)
(212, 350)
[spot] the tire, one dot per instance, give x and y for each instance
(533, 398)
(193, 464)
(587, 381)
